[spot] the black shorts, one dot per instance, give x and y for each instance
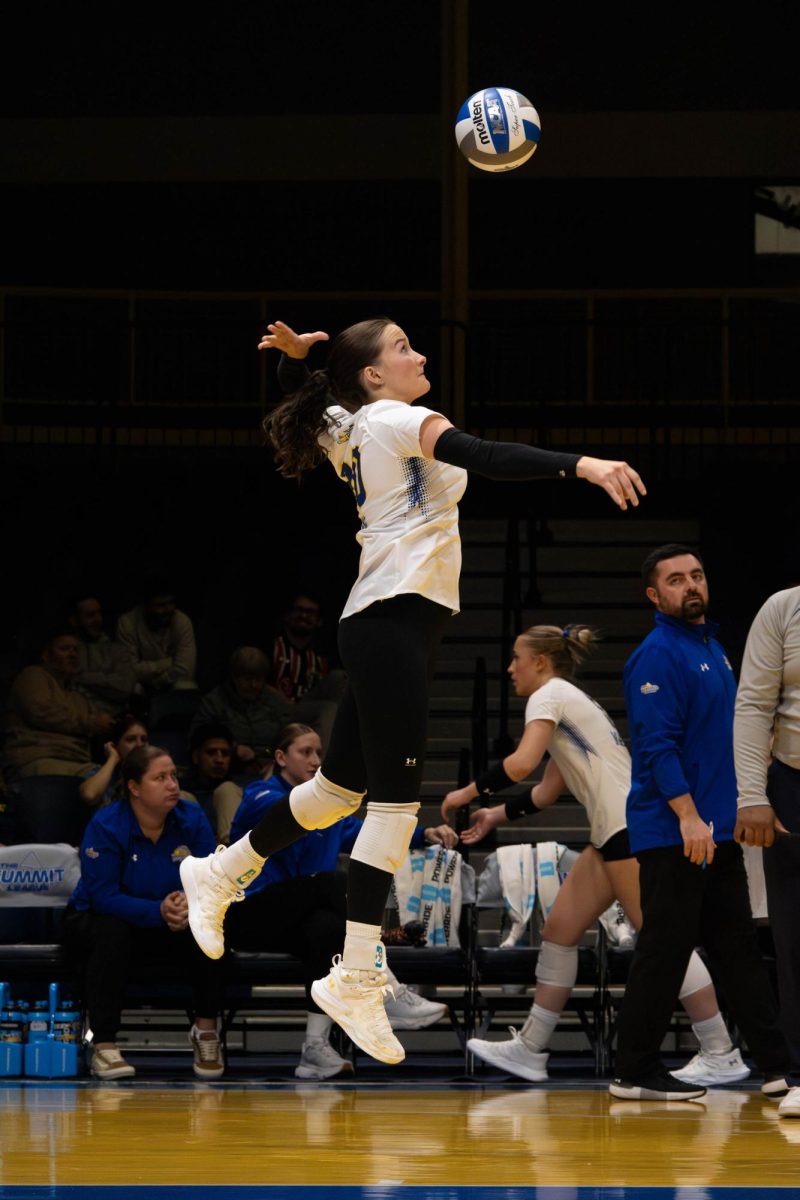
(617, 847)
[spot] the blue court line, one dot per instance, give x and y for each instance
(385, 1192)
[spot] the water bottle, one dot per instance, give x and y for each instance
(12, 1034)
(66, 1030)
(37, 1047)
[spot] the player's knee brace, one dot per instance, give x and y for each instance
(557, 965)
(318, 803)
(383, 839)
(696, 977)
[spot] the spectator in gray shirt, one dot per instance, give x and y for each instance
(105, 667)
(161, 640)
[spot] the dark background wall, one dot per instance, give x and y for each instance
(300, 149)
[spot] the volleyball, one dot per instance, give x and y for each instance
(497, 129)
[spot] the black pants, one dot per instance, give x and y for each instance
(103, 949)
(379, 735)
(782, 875)
(304, 917)
(684, 906)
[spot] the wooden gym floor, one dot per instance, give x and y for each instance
(379, 1141)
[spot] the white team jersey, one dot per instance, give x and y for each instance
(588, 751)
(408, 504)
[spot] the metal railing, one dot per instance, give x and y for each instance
(678, 379)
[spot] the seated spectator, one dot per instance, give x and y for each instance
(129, 906)
(252, 711)
(211, 749)
(300, 671)
(297, 903)
(105, 668)
(103, 783)
(48, 723)
(161, 641)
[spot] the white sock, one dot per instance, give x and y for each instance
(318, 1025)
(713, 1035)
(538, 1028)
(240, 862)
(363, 948)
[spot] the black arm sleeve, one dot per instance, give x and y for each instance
(292, 374)
(521, 806)
(502, 460)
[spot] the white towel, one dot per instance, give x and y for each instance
(428, 889)
(518, 887)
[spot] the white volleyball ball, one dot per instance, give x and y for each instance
(497, 129)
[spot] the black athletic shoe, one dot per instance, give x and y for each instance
(659, 1085)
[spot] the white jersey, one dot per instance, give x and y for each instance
(408, 504)
(588, 751)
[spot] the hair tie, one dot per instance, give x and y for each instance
(565, 633)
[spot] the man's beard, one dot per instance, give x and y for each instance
(693, 606)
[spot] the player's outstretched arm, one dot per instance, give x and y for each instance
(514, 460)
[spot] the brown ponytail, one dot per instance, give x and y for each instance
(294, 427)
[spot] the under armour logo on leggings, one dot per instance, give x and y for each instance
(411, 762)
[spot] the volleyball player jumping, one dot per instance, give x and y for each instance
(406, 467)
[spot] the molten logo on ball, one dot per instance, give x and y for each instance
(497, 129)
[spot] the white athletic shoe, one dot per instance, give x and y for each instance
(710, 1070)
(354, 1000)
(512, 1056)
(790, 1104)
(109, 1064)
(319, 1060)
(209, 891)
(408, 1010)
(775, 1088)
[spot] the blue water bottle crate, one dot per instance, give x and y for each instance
(12, 1033)
(54, 1035)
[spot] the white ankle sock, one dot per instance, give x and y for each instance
(713, 1035)
(538, 1028)
(318, 1025)
(240, 862)
(363, 948)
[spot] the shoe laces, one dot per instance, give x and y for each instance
(221, 891)
(110, 1057)
(207, 1048)
(322, 1048)
(403, 994)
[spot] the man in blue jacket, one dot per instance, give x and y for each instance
(680, 692)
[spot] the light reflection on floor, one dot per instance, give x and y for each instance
(453, 1144)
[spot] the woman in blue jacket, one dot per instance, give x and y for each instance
(129, 906)
(297, 905)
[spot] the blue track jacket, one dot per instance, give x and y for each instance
(318, 851)
(679, 692)
(126, 875)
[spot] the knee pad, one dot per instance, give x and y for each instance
(318, 803)
(383, 840)
(696, 976)
(557, 965)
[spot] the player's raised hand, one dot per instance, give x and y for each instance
(293, 345)
(617, 478)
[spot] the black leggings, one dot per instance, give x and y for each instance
(381, 727)
(379, 734)
(104, 948)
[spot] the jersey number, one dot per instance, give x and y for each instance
(352, 476)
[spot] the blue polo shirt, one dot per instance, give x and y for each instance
(680, 693)
(318, 850)
(126, 875)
